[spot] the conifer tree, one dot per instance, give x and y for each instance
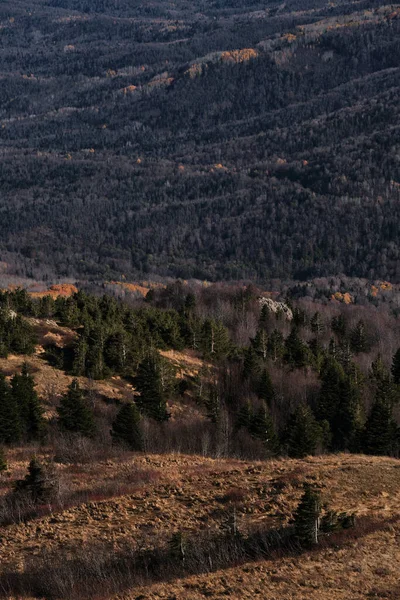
(316, 324)
(36, 484)
(276, 346)
(396, 367)
(10, 421)
(358, 338)
(215, 339)
(265, 388)
(116, 352)
(339, 326)
(262, 428)
(380, 434)
(126, 427)
(80, 354)
(307, 517)
(332, 378)
(244, 415)
(251, 364)
(154, 379)
(303, 434)
(73, 412)
(29, 406)
(213, 403)
(265, 317)
(297, 353)
(346, 425)
(260, 343)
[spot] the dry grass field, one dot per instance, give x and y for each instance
(140, 501)
(116, 501)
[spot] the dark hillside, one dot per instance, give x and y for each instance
(209, 140)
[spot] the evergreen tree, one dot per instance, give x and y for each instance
(260, 343)
(358, 338)
(244, 415)
(213, 403)
(332, 378)
(276, 346)
(339, 326)
(29, 406)
(126, 427)
(95, 363)
(297, 353)
(262, 428)
(380, 433)
(215, 339)
(265, 388)
(74, 414)
(265, 317)
(396, 367)
(346, 424)
(154, 379)
(116, 352)
(303, 434)
(251, 364)
(80, 353)
(317, 325)
(36, 484)
(10, 422)
(307, 517)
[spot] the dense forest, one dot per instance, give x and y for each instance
(218, 140)
(284, 378)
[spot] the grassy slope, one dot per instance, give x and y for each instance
(140, 501)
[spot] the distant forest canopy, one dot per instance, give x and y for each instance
(221, 140)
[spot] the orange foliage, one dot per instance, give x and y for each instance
(61, 289)
(339, 297)
(239, 56)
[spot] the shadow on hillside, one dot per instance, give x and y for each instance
(96, 571)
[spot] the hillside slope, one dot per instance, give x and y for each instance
(216, 140)
(187, 494)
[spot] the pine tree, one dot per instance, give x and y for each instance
(346, 424)
(265, 317)
(307, 517)
(339, 326)
(154, 379)
(302, 434)
(29, 406)
(265, 388)
(215, 339)
(276, 346)
(126, 427)
(316, 324)
(10, 422)
(358, 338)
(244, 415)
(396, 367)
(262, 428)
(95, 363)
(260, 343)
(332, 378)
(297, 353)
(251, 364)
(380, 433)
(74, 414)
(80, 354)
(116, 352)
(36, 484)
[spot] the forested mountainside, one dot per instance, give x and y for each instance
(200, 139)
(196, 443)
